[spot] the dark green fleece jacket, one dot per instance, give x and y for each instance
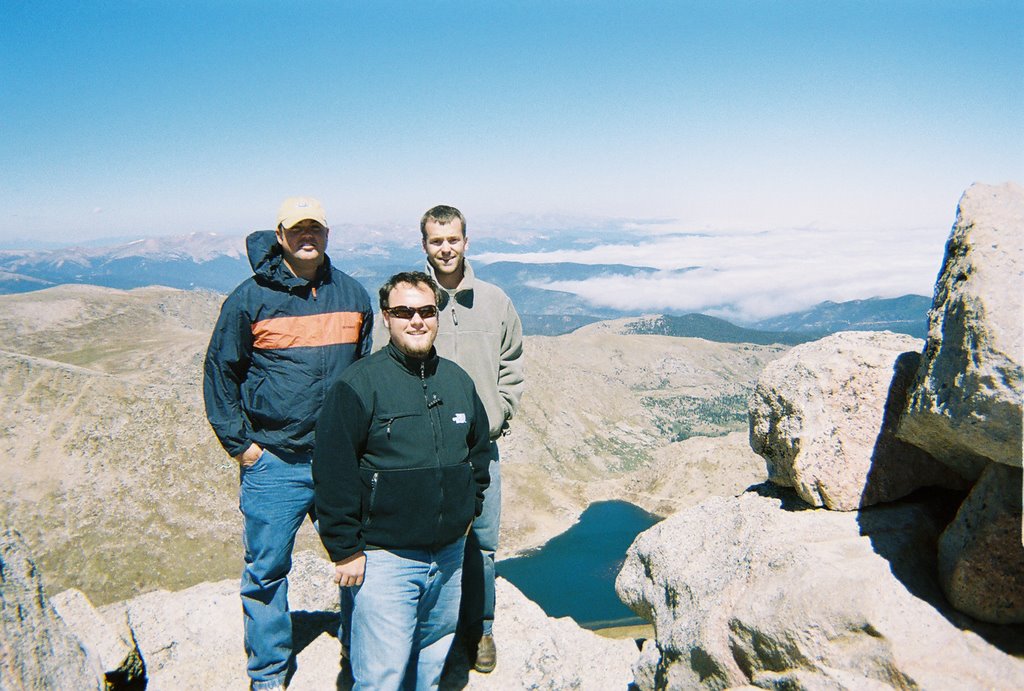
(401, 455)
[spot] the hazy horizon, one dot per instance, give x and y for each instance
(165, 117)
(740, 276)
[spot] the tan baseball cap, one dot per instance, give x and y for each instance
(295, 209)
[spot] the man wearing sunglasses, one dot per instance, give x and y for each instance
(399, 470)
(284, 336)
(478, 328)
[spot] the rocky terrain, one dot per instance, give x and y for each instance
(886, 549)
(109, 472)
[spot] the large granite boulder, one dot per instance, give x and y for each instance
(966, 405)
(37, 649)
(192, 638)
(981, 559)
(114, 647)
(824, 418)
(764, 590)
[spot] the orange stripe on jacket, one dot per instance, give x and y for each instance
(306, 332)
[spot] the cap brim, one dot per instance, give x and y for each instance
(290, 221)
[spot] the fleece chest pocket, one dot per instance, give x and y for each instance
(392, 424)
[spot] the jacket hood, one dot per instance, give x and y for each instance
(267, 261)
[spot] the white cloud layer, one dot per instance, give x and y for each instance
(749, 276)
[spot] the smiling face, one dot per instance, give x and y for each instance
(303, 246)
(445, 245)
(413, 336)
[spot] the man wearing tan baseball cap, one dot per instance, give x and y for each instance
(302, 235)
(283, 338)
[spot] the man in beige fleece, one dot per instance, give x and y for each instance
(479, 329)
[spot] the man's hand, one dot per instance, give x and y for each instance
(248, 457)
(349, 571)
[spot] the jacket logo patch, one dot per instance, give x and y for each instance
(459, 418)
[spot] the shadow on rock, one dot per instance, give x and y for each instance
(912, 556)
(456, 668)
(308, 626)
(790, 500)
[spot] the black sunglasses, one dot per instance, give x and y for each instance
(403, 312)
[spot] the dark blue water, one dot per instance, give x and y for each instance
(573, 575)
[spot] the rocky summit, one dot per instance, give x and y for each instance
(885, 551)
(765, 590)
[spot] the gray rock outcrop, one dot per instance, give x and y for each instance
(981, 560)
(37, 649)
(114, 647)
(967, 402)
(824, 418)
(966, 406)
(763, 590)
(192, 638)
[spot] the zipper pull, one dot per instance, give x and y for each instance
(455, 317)
(389, 434)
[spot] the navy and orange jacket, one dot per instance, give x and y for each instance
(280, 344)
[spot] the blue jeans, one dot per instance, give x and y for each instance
(404, 617)
(275, 495)
(477, 612)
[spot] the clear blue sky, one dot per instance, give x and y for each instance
(165, 117)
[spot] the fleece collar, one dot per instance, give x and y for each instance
(412, 364)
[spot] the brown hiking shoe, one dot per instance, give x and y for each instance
(486, 655)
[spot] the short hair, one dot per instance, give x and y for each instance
(442, 214)
(414, 278)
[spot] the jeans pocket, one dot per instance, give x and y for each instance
(258, 465)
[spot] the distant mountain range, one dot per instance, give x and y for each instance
(907, 314)
(218, 262)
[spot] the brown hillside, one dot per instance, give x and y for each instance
(113, 476)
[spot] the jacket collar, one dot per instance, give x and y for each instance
(468, 277)
(463, 292)
(412, 364)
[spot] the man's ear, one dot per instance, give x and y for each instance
(279, 232)
(386, 317)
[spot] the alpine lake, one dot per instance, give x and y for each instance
(573, 574)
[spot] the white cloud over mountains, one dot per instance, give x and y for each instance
(749, 276)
